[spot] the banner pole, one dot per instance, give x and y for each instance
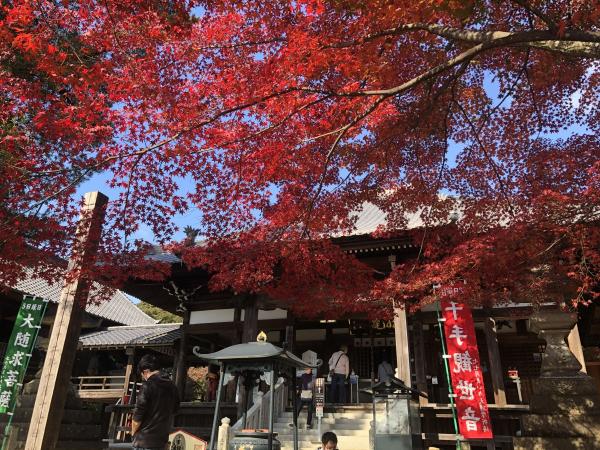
(447, 371)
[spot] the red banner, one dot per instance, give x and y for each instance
(465, 368)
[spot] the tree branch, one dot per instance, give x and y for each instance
(577, 43)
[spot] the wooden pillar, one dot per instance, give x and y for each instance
(491, 339)
(237, 321)
(249, 333)
(58, 365)
(574, 342)
(402, 349)
(419, 354)
(250, 330)
(401, 335)
(130, 352)
(290, 337)
(181, 372)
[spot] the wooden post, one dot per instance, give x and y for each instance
(491, 339)
(181, 372)
(401, 335)
(249, 333)
(419, 353)
(130, 352)
(62, 347)
(250, 329)
(574, 342)
(402, 349)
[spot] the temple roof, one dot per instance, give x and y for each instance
(119, 308)
(133, 336)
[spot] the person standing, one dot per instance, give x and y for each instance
(305, 396)
(157, 402)
(385, 370)
(339, 369)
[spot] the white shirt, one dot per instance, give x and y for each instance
(343, 363)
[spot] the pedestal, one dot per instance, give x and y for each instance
(565, 404)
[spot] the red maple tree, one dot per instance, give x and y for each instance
(289, 116)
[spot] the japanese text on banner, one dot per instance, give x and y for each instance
(18, 350)
(467, 379)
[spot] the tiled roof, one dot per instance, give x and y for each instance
(370, 217)
(158, 254)
(137, 336)
(118, 309)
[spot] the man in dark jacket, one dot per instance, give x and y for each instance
(157, 402)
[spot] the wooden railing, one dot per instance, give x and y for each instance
(100, 388)
(99, 382)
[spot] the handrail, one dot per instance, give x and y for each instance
(258, 414)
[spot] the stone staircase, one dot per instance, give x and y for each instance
(350, 423)
(79, 430)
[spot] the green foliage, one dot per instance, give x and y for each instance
(159, 314)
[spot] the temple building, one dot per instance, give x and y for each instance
(510, 352)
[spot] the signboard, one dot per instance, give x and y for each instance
(319, 396)
(465, 368)
(18, 350)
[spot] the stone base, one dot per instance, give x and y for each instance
(572, 396)
(565, 415)
(540, 443)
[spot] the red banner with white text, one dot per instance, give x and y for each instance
(465, 368)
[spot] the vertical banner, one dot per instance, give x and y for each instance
(465, 368)
(18, 350)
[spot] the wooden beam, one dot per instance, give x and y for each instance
(419, 354)
(401, 335)
(402, 345)
(491, 339)
(62, 348)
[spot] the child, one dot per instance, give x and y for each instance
(329, 441)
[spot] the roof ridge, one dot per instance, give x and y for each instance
(152, 325)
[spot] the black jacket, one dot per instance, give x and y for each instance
(156, 403)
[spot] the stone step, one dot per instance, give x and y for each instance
(67, 432)
(346, 415)
(341, 428)
(71, 416)
(345, 443)
(302, 418)
(314, 434)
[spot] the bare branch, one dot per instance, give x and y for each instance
(538, 13)
(330, 153)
